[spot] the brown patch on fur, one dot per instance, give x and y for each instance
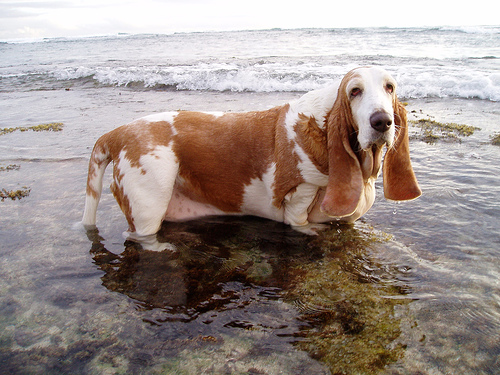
(312, 139)
(99, 159)
(124, 204)
(94, 162)
(219, 156)
(136, 139)
(287, 175)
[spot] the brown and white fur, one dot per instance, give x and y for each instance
(310, 161)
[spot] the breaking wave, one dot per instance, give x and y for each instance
(269, 77)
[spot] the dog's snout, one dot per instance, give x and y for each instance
(380, 121)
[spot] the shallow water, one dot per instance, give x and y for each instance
(411, 288)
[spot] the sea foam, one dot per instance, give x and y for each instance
(413, 82)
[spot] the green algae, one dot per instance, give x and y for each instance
(355, 307)
(495, 139)
(433, 131)
(10, 167)
(14, 194)
(53, 126)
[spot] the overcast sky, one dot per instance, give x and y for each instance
(55, 18)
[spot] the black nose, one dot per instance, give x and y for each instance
(380, 121)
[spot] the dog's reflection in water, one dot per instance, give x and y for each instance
(208, 255)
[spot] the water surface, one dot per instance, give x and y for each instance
(411, 288)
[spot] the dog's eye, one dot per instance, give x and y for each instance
(390, 88)
(355, 91)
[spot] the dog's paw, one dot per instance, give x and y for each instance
(149, 242)
(310, 229)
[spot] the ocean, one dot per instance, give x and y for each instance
(412, 287)
(428, 63)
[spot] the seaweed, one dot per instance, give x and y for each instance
(495, 139)
(347, 294)
(53, 126)
(10, 167)
(433, 131)
(14, 194)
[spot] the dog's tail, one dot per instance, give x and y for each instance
(99, 160)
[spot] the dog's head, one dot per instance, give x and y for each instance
(366, 116)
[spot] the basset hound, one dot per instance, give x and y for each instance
(313, 160)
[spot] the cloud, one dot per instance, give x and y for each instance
(21, 9)
(52, 18)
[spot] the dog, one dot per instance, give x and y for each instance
(311, 161)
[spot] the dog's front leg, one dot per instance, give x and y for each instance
(297, 206)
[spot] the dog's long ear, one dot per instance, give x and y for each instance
(345, 180)
(400, 182)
